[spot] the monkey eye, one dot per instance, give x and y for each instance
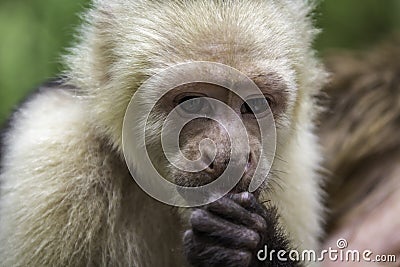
(254, 106)
(192, 104)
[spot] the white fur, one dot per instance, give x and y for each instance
(67, 198)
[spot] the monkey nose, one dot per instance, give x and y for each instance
(217, 166)
(244, 182)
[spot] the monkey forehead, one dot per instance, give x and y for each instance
(267, 82)
(268, 72)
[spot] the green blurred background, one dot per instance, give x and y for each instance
(34, 33)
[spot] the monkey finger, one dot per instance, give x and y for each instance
(231, 210)
(249, 202)
(201, 254)
(224, 231)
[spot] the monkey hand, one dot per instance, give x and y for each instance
(230, 231)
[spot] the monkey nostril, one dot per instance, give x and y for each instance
(217, 166)
(209, 162)
(249, 162)
(211, 166)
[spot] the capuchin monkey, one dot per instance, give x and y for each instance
(67, 196)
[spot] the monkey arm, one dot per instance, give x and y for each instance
(47, 162)
(56, 194)
(230, 232)
(67, 199)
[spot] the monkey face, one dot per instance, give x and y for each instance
(207, 141)
(206, 126)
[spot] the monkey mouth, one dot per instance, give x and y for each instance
(200, 179)
(243, 186)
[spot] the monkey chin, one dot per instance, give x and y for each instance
(199, 179)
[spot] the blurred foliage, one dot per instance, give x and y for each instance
(35, 33)
(33, 36)
(356, 24)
